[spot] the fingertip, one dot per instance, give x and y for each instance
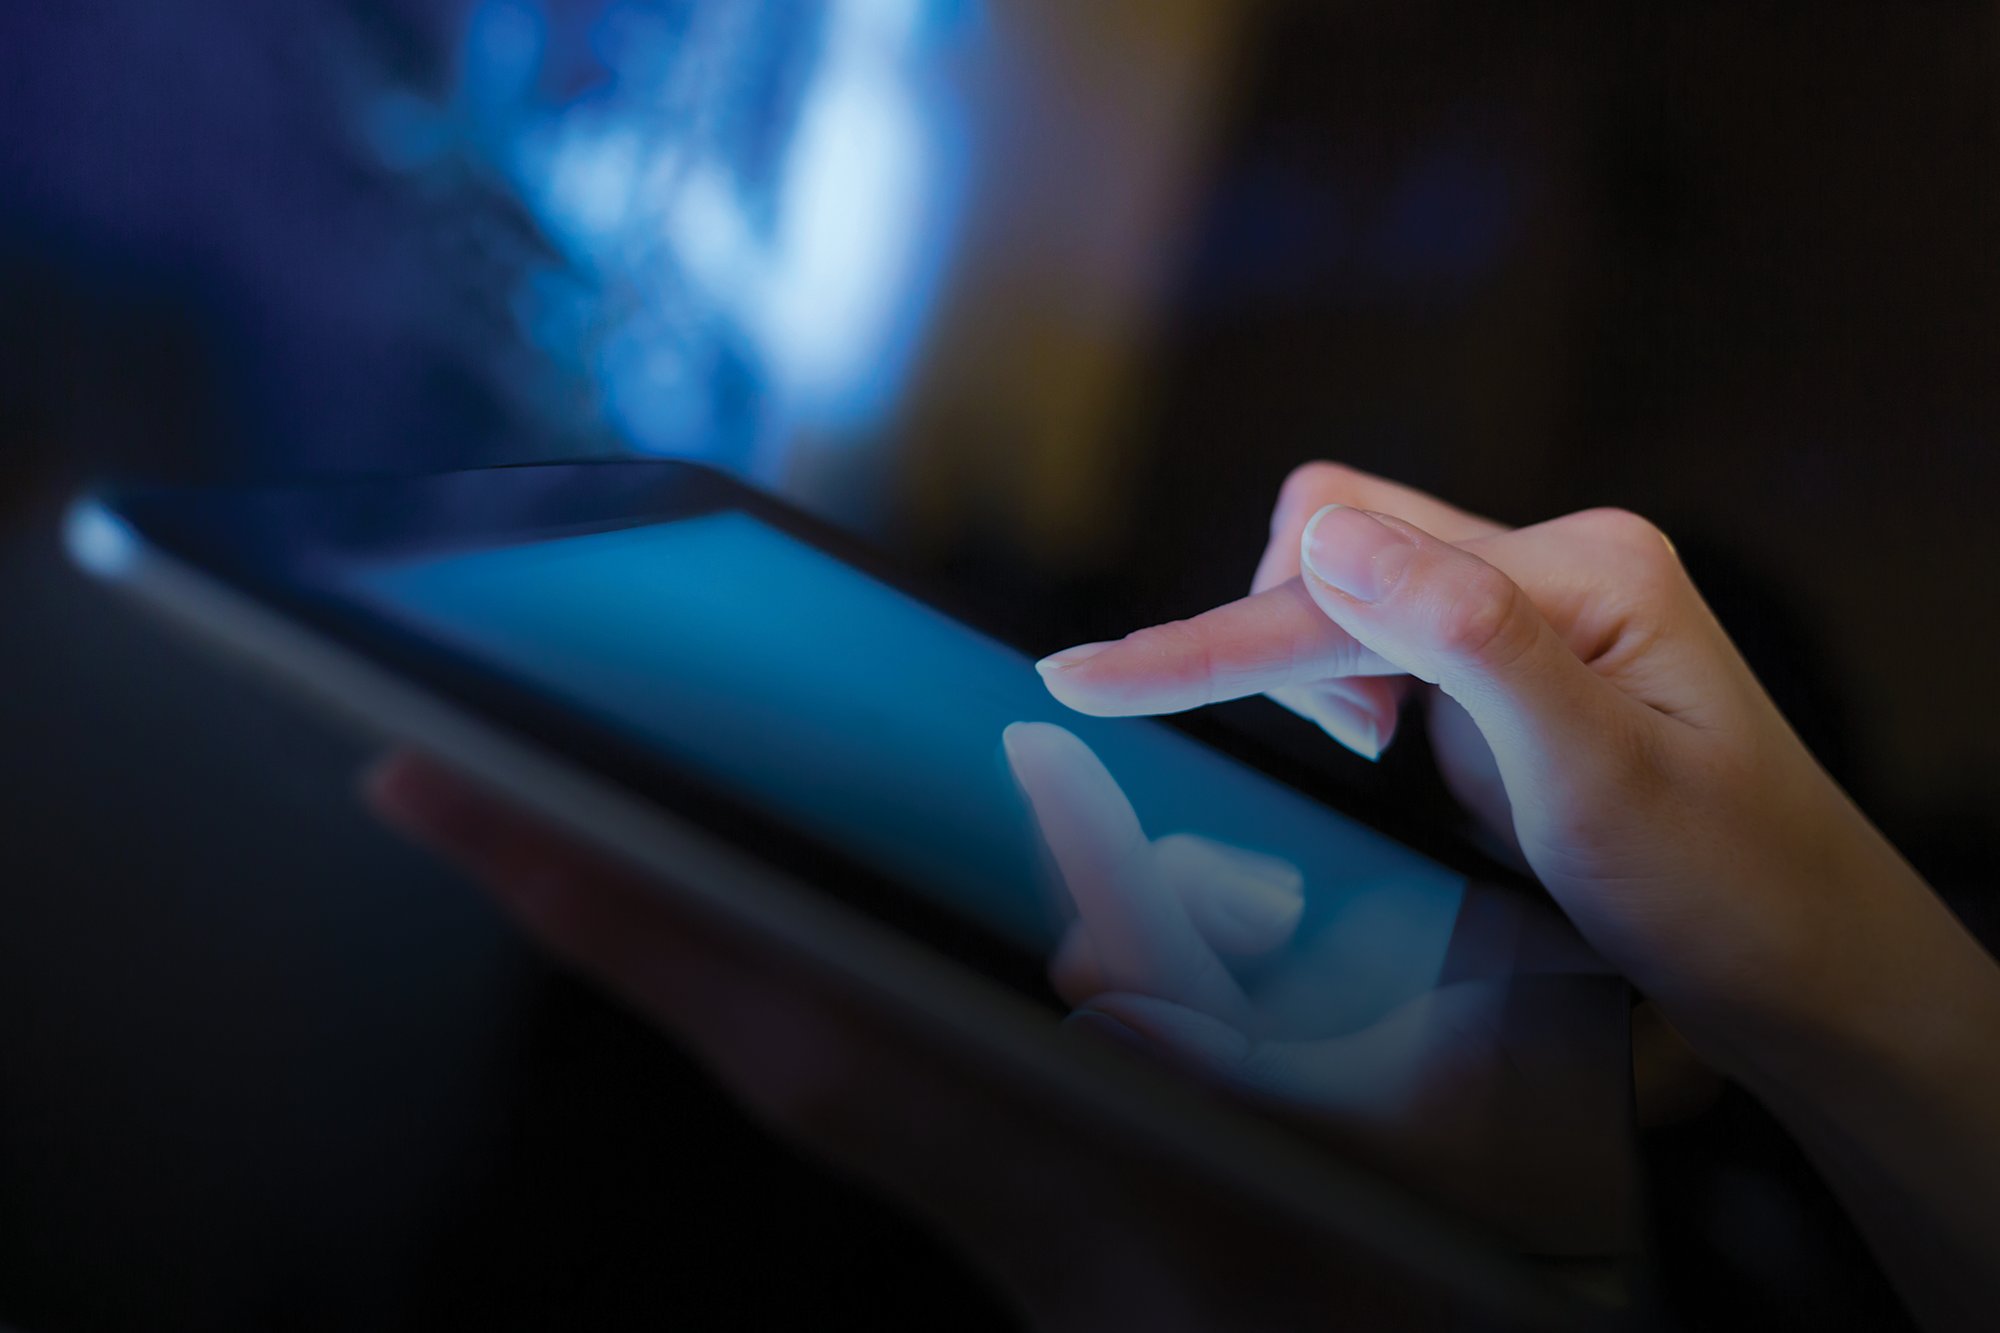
(1043, 756)
(1245, 902)
(1266, 908)
(1282, 888)
(1032, 740)
(1358, 553)
(1088, 684)
(1355, 730)
(1358, 730)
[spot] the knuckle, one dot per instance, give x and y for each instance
(1617, 524)
(1644, 550)
(1485, 622)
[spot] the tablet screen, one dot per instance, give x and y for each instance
(849, 709)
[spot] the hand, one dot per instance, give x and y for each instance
(1587, 705)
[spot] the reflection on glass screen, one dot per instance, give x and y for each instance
(1416, 1014)
(877, 724)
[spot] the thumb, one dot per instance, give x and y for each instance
(1448, 617)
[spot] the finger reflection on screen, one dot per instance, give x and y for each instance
(1488, 1086)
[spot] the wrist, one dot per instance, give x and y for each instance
(1889, 994)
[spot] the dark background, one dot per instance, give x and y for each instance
(1730, 265)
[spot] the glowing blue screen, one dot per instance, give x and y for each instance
(801, 686)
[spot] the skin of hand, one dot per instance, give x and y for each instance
(1588, 707)
(1079, 1228)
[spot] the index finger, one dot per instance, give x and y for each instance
(1264, 642)
(1144, 936)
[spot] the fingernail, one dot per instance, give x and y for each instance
(1070, 657)
(1349, 724)
(1354, 551)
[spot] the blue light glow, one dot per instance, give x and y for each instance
(755, 201)
(98, 539)
(800, 685)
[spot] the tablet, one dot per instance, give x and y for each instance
(1382, 1033)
